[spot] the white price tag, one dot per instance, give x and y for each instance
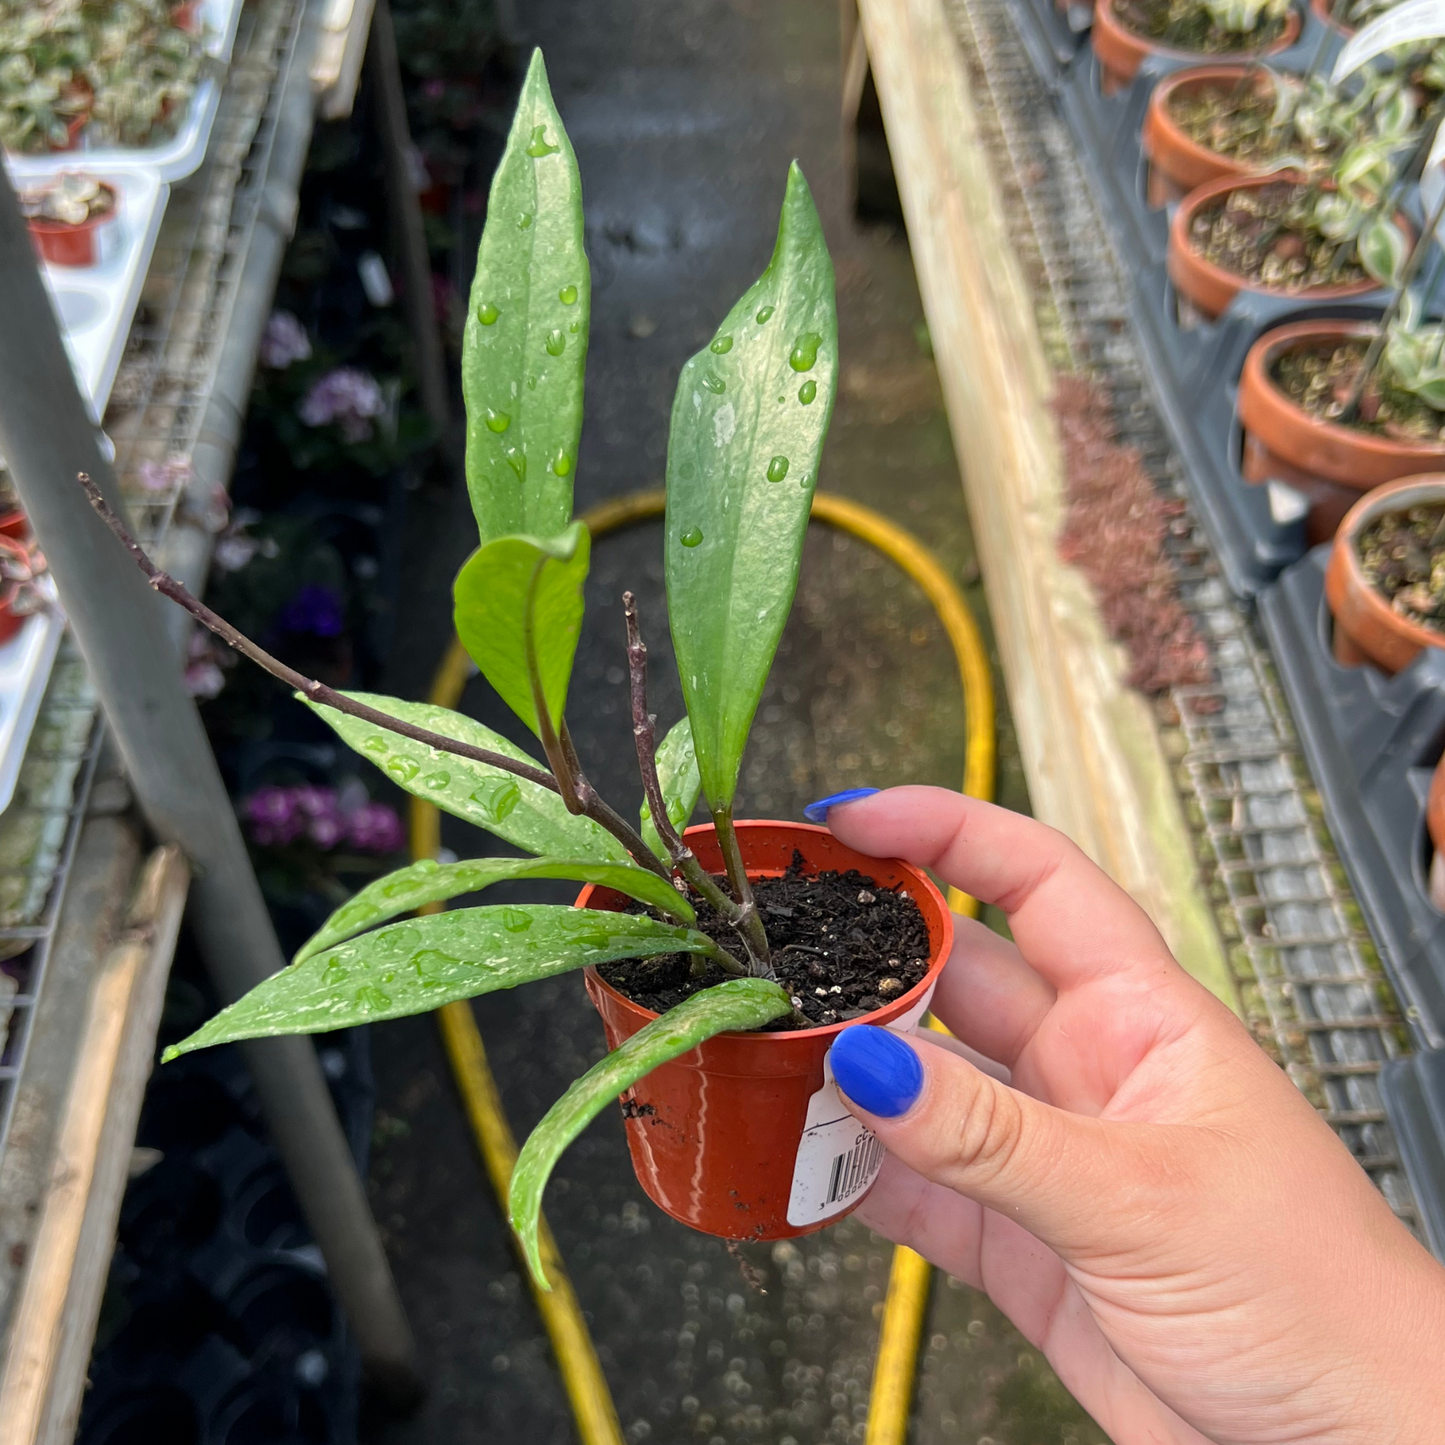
(838, 1158)
(1402, 25)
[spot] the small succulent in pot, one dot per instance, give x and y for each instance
(748, 423)
(71, 199)
(143, 72)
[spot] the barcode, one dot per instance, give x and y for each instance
(855, 1168)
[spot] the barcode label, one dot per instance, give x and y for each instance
(860, 1163)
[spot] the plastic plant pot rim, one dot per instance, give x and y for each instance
(1121, 41)
(1169, 147)
(1184, 261)
(1267, 412)
(1344, 563)
(939, 948)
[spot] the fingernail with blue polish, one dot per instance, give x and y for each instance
(877, 1070)
(818, 812)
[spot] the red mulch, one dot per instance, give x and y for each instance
(1114, 534)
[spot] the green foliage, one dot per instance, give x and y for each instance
(519, 615)
(412, 967)
(1414, 356)
(427, 881)
(741, 1003)
(525, 343)
(677, 772)
(522, 813)
(747, 431)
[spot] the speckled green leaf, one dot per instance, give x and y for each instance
(741, 1003)
(410, 967)
(525, 814)
(747, 430)
(677, 772)
(426, 881)
(521, 590)
(524, 347)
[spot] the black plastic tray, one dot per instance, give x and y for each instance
(1414, 1091)
(1372, 742)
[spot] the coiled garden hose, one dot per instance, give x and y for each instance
(901, 1325)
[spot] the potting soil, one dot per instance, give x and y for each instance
(1231, 120)
(841, 945)
(1321, 382)
(1403, 555)
(1186, 25)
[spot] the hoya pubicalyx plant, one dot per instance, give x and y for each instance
(747, 430)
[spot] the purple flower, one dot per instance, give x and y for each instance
(314, 609)
(272, 816)
(161, 478)
(284, 341)
(375, 828)
(347, 397)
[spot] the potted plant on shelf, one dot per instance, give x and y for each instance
(725, 958)
(143, 70)
(1126, 32)
(68, 217)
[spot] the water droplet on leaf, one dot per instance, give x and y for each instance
(332, 975)
(515, 921)
(403, 769)
(505, 797)
(714, 384)
(437, 781)
(537, 147)
(807, 392)
(432, 965)
(777, 469)
(487, 313)
(370, 998)
(517, 460)
(524, 220)
(721, 345)
(562, 465)
(498, 421)
(556, 343)
(805, 351)
(764, 314)
(691, 537)
(568, 295)
(376, 744)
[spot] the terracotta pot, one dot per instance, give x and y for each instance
(1210, 288)
(1121, 52)
(1331, 464)
(14, 523)
(1179, 164)
(62, 244)
(1435, 823)
(1322, 9)
(718, 1135)
(10, 621)
(187, 16)
(1367, 628)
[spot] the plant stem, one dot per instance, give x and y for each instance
(644, 735)
(318, 692)
(1377, 344)
(751, 923)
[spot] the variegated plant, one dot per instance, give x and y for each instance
(748, 424)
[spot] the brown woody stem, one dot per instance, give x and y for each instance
(318, 692)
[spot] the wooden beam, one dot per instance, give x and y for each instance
(1092, 753)
(60, 1298)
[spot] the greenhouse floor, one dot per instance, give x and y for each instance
(684, 118)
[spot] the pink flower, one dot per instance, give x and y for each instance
(376, 828)
(272, 817)
(347, 397)
(284, 341)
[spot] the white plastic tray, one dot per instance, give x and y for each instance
(173, 159)
(25, 662)
(95, 304)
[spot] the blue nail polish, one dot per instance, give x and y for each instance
(818, 812)
(877, 1070)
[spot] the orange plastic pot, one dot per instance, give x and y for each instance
(1178, 163)
(1210, 288)
(746, 1137)
(1367, 628)
(1331, 464)
(62, 244)
(1121, 52)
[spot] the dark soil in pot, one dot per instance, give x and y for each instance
(1231, 120)
(1402, 555)
(1320, 381)
(841, 944)
(1186, 25)
(1265, 234)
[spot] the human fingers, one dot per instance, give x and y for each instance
(987, 996)
(1071, 1180)
(1071, 922)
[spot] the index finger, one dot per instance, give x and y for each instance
(1070, 920)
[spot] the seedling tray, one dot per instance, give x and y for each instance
(1372, 742)
(1414, 1094)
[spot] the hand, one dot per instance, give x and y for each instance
(1147, 1197)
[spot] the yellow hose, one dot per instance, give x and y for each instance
(903, 1309)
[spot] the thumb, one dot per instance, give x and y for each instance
(1066, 1178)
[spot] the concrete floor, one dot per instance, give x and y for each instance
(684, 116)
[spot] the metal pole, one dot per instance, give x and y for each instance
(401, 198)
(46, 437)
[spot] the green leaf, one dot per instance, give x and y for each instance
(525, 344)
(523, 595)
(410, 967)
(741, 1003)
(747, 430)
(677, 772)
(1384, 249)
(522, 813)
(429, 882)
